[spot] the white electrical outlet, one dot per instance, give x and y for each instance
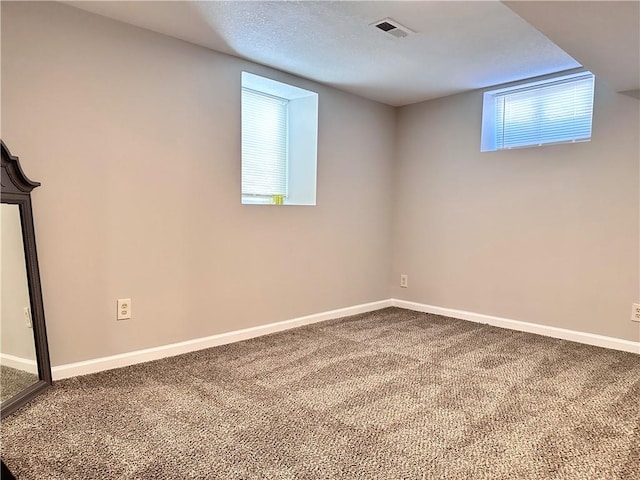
(635, 312)
(404, 281)
(27, 317)
(124, 308)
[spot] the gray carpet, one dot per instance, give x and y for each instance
(391, 394)
(13, 381)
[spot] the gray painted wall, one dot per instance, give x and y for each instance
(136, 139)
(547, 235)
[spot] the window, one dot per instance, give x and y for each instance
(556, 110)
(264, 144)
(279, 142)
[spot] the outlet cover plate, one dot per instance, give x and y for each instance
(27, 317)
(124, 308)
(635, 312)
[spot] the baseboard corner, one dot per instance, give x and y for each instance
(545, 330)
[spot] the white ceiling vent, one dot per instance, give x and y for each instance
(392, 28)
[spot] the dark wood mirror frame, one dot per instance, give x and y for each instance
(16, 190)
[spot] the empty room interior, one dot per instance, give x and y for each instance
(320, 240)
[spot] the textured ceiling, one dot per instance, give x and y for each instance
(458, 46)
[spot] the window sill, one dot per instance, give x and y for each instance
(268, 202)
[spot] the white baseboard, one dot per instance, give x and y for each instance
(19, 363)
(561, 333)
(131, 358)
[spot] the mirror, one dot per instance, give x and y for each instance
(18, 368)
(24, 356)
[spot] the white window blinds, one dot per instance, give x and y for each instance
(539, 113)
(264, 144)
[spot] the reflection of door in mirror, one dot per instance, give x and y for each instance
(18, 366)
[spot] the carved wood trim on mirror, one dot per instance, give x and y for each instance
(21, 292)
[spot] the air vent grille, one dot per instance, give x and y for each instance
(392, 28)
(385, 26)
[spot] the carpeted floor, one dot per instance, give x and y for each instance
(392, 394)
(13, 381)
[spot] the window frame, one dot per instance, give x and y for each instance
(491, 124)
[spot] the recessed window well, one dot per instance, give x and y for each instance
(279, 142)
(555, 110)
